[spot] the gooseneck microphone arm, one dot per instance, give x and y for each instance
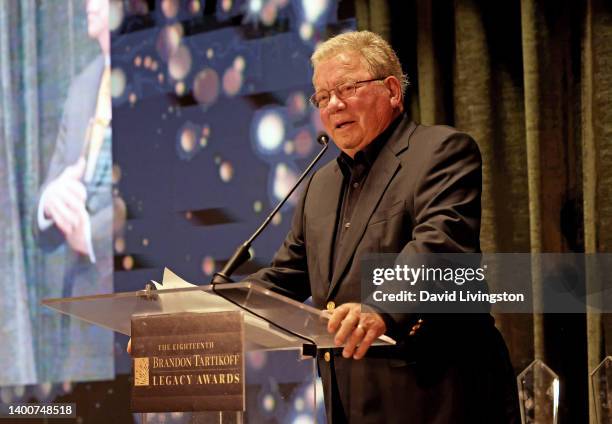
(241, 255)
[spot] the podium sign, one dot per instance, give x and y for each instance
(188, 362)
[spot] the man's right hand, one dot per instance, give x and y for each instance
(65, 199)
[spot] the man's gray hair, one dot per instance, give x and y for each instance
(377, 53)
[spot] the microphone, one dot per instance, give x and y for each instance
(241, 255)
(322, 139)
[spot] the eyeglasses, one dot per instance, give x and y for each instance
(343, 91)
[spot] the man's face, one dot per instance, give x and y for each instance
(97, 18)
(355, 121)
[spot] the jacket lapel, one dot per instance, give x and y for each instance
(381, 174)
(328, 208)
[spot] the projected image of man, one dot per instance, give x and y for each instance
(75, 204)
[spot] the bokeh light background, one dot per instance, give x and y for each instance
(211, 126)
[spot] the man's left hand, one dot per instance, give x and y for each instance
(355, 327)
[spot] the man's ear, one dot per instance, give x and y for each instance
(395, 91)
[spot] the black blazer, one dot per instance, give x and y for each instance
(422, 195)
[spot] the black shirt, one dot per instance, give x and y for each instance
(355, 171)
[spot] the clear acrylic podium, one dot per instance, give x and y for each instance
(279, 331)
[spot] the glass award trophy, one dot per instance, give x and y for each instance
(539, 394)
(601, 383)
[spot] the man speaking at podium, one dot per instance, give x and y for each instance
(397, 186)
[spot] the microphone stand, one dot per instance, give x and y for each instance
(241, 255)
